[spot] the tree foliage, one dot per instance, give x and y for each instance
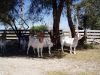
(39, 8)
(6, 10)
(89, 9)
(8, 14)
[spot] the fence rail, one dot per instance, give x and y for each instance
(91, 34)
(10, 34)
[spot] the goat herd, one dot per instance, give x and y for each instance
(42, 41)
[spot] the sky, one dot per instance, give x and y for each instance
(63, 21)
(48, 20)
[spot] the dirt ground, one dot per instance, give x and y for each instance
(86, 62)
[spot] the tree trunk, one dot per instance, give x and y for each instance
(56, 20)
(56, 35)
(72, 28)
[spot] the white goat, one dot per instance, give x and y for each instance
(35, 43)
(3, 45)
(71, 42)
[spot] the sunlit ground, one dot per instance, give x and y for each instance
(85, 62)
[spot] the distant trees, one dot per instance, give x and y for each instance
(88, 12)
(89, 9)
(6, 11)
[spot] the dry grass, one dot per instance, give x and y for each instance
(87, 73)
(63, 73)
(86, 55)
(90, 54)
(85, 62)
(56, 73)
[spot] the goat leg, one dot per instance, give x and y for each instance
(62, 48)
(74, 50)
(28, 49)
(38, 52)
(41, 52)
(49, 50)
(70, 49)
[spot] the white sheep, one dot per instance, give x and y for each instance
(71, 42)
(35, 43)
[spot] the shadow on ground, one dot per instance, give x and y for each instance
(13, 49)
(16, 51)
